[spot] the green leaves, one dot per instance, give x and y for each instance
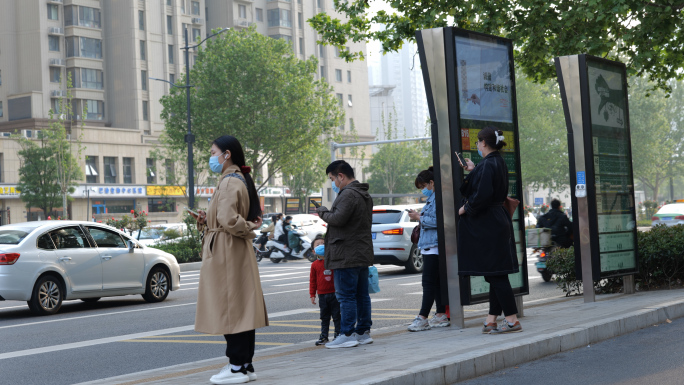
(625, 30)
(251, 86)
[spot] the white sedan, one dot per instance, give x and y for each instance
(313, 225)
(392, 244)
(47, 262)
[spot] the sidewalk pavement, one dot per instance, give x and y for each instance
(441, 356)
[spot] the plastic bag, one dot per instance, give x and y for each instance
(373, 280)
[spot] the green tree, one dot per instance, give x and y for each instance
(393, 169)
(66, 144)
(251, 86)
(307, 176)
(544, 159)
(645, 34)
(657, 134)
(37, 175)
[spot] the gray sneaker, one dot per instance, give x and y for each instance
(419, 324)
(364, 339)
(343, 341)
(504, 327)
(439, 322)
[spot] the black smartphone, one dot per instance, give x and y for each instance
(313, 202)
(461, 159)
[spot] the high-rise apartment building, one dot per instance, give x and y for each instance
(400, 71)
(111, 49)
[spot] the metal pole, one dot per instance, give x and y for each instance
(189, 137)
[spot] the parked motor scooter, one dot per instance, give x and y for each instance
(279, 252)
(543, 254)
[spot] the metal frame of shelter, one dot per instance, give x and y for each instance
(439, 61)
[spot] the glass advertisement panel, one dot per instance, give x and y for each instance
(485, 98)
(613, 180)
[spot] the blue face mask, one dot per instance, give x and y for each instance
(320, 250)
(479, 152)
(214, 164)
(335, 188)
(426, 192)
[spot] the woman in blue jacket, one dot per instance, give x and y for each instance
(428, 247)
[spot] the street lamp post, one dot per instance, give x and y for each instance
(189, 136)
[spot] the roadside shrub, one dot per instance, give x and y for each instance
(661, 263)
(188, 249)
(185, 250)
(661, 257)
(644, 223)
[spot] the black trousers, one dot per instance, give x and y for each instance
(240, 347)
(501, 298)
(330, 307)
(432, 292)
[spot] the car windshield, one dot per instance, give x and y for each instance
(152, 233)
(672, 209)
(14, 236)
(381, 217)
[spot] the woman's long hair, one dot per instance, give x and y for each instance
(237, 155)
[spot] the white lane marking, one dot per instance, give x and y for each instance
(285, 279)
(416, 293)
(191, 283)
(290, 284)
(392, 279)
(95, 315)
(409, 284)
(288, 291)
(278, 275)
(100, 341)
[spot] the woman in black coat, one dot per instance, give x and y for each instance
(486, 246)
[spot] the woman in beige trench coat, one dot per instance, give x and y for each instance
(230, 300)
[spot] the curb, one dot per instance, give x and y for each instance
(190, 266)
(485, 361)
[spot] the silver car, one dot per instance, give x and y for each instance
(47, 262)
(391, 230)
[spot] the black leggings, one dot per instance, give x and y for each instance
(432, 291)
(501, 296)
(240, 347)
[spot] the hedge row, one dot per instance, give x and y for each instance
(661, 263)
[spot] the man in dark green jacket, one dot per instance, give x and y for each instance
(349, 252)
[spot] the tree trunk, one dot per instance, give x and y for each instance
(64, 206)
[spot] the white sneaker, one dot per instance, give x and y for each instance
(250, 372)
(343, 341)
(228, 376)
(439, 322)
(419, 324)
(364, 339)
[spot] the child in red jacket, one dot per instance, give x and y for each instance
(322, 281)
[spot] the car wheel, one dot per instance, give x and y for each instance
(310, 255)
(47, 296)
(90, 300)
(158, 285)
(414, 264)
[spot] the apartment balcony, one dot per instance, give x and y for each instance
(55, 1)
(242, 23)
(58, 93)
(56, 31)
(57, 62)
(197, 20)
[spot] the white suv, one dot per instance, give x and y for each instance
(392, 245)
